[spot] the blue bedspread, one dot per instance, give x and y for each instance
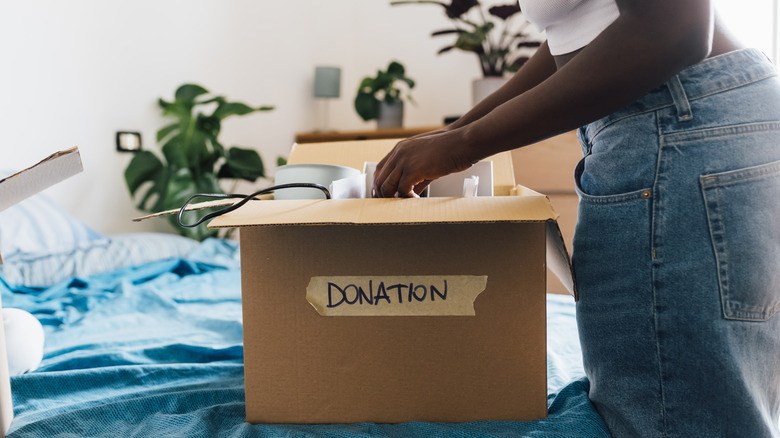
(156, 350)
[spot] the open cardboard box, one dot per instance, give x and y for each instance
(396, 310)
(14, 189)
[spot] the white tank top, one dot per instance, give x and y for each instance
(569, 24)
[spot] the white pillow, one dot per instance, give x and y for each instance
(38, 227)
(120, 251)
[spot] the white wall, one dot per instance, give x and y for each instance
(74, 72)
(753, 22)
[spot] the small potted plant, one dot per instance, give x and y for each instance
(380, 97)
(193, 160)
(497, 35)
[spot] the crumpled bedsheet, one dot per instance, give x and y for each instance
(155, 350)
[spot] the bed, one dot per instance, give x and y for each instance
(144, 338)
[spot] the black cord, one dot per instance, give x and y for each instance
(246, 198)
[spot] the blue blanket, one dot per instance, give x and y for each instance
(156, 350)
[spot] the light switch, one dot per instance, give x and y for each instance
(128, 141)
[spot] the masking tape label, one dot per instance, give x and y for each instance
(418, 295)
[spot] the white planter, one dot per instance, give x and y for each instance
(485, 86)
(390, 116)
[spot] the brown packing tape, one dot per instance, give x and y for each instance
(434, 295)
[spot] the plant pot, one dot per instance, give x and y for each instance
(485, 86)
(390, 115)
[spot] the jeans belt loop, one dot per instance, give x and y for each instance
(680, 99)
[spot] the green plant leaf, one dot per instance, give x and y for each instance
(445, 49)
(211, 100)
(395, 69)
(144, 167)
(208, 183)
(473, 31)
(528, 44)
(457, 8)
(504, 11)
(175, 153)
(200, 158)
(217, 147)
(470, 42)
(242, 163)
(166, 131)
(367, 106)
(447, 32)
(188, 92)
(176, 109)
(191, 152)
(181, 186)
(153, 199)
(281, 161)
(226, 109)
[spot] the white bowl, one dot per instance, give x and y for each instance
(322, 174)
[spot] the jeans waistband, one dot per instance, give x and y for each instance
(710, 76)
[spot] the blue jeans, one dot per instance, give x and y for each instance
(677, 255)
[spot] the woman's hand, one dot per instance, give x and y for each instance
(413, 163)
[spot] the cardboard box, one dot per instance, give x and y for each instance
(395, 310)
(14, 189)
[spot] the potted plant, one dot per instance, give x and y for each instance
(193, 160)
(497, 35)
(380, 97)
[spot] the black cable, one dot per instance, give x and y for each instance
(246, 198)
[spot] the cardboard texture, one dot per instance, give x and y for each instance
(301, 367)
(419, 365)
(34, 179)
(14, 189)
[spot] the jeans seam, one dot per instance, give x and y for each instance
(654, 210)
(690, 99)
(719, 132)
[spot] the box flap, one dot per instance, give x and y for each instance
(389, 211)
(50, 171)
(558, 259)
(190, 207)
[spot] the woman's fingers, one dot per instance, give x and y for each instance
(386, 180)
(413, 163)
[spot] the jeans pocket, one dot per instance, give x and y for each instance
(743, 211)
(617, 198)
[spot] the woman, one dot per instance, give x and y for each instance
(677, 246)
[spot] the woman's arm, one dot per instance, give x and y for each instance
(648, 43)
(535, 71)
(538, 68)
